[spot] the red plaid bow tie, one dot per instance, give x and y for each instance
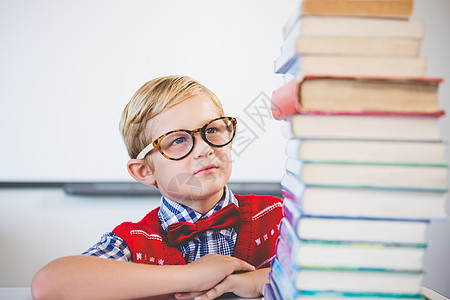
(181, 232)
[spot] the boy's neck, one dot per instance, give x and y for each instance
(202, 206)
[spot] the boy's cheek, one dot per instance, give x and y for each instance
(225, 156)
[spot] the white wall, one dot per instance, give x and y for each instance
(38, 225)
(68, 68)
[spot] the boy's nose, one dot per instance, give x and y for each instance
(201, 148)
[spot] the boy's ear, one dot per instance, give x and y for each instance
(140, 171)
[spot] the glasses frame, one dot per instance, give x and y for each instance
(156, 144)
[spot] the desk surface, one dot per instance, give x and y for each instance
(25, 294)
(15, 293)
(432, 295)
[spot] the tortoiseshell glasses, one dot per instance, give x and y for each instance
(177, 144)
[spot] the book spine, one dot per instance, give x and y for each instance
(290, 65)
(293, 147)
(288, 244)
(289, 47)
(285, 100)
(292, 188)
(270, 292)
(295, 167)
(292, 213)
(286, 129)
(288, 237)
(283, 282)
(292, 21)
(283, 254)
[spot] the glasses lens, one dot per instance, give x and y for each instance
(220, 132)
(176, 144)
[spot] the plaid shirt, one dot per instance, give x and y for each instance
(110, 246)
(211, 241)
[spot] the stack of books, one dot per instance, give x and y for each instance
(366, 168)
(352, 37)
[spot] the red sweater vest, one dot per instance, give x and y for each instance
(260, 217)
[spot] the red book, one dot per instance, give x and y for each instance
(357, 95)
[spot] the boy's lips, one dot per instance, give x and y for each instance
(206, 170)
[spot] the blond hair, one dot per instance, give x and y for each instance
(153, 98)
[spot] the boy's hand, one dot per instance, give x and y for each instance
(209, 270)
(246, 285)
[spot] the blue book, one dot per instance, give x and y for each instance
(270, 291)
(318, 284)
(296, 253)
(364, 203)
(360, 230)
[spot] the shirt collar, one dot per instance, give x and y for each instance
(173, 212)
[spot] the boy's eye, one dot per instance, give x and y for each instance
(178, 141)
(211, 130)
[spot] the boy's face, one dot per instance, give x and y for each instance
(206, 170)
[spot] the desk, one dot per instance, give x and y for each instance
(25, 294)
(432, 295)
(15, 293)
(224, 297)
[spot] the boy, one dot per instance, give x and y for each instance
(179, 140)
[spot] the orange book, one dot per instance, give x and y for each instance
(365, 8)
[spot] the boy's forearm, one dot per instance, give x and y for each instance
(259, 277)
(246, 285)
(84, 277)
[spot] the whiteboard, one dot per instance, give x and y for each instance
(68, 68)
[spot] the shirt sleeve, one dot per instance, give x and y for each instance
(110, 246)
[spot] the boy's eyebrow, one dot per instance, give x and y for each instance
(203, 124)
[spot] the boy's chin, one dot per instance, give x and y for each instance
(195, 190)
(187, 187)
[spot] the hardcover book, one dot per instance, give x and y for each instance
(374, 126)
(363, 203)
(352, 66)
(299, 254)
(283, 288)
(347, 229)
(368, 152)
(356, 95)
(379, 176)
(358, 8)
(338, 26)
(354, 281)
(372, 8)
